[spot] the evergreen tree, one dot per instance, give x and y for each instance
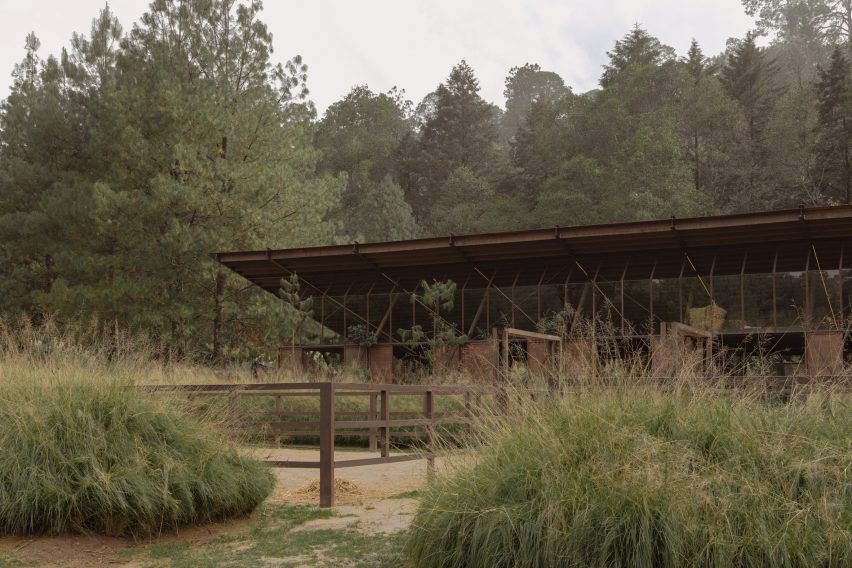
(649, 178)
(192, 141)
(637, 49)
(463, 203)
(833, 171)
(747, 77)
(543, 141)
(382, 214)
(573, 195)
(698, 65)
(524, 86)
(360, 136)
(459, 131)
(708, 123)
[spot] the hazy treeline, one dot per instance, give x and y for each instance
(130, 157)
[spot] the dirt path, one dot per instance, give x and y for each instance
(374, 481)
(371, 501)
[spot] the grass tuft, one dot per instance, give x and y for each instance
(637, 477)
(83, 450)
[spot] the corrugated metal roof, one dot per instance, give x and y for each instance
(664, 248)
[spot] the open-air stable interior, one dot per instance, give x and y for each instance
(774, 282)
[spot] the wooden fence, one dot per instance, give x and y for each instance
(382, 422)
(327, 422)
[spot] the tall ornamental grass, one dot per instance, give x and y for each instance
(83, 450)
(639, 478)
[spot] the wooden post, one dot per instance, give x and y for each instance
(513, 302)
(373, 417)
(387, 318)
(808, 307)
(840, 290)
(468, 411)
(505, 355)
(428, 408)
(345, 311)
(385, 410)
(680, 290)
(594, 313)
(488, 308)
(462, 305)
(232, 408)
(742, 291)
(479, 310)
(277, 428)
(651, 302)
(502, 399)
(774, 299)
(326, 444)
(711, 367)
(370, 291)
(623, 275)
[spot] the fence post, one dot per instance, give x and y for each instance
(373, 417)
(232, 409)
(505, 360)
(385, 410)
(502, 399)
(326, 444)
(428, 407)
(277, 428)
(468, 412)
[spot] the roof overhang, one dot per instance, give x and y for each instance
(665, 249)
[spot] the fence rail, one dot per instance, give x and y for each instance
(383, 423)
(330, 423)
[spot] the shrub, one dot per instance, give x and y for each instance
(640, 478)
(83, 450)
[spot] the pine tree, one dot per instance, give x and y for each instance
(382, 214)
(360, 136)
(833, 170)
(177, 140)
(708, 121)
(637, 49)
(460, 131)
(698, 65)
(747, 77)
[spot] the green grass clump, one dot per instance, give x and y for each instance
(83, 450)
(641, 478)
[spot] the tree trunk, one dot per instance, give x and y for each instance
(217, 315)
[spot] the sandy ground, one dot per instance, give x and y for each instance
(369, 503)
(375, 481)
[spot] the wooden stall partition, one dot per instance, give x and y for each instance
(354, 356)
(579, 357)
(381, 361)
(291, 358)
(679, 349)
(480, 358)
(539, 356)
(447, 361)
(824, 352)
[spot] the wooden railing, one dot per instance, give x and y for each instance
(328, 423)
(382, 423)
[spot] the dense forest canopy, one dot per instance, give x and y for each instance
(130, 157)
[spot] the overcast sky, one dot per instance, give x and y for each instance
(413, 44)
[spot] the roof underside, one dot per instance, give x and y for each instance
(662, 249)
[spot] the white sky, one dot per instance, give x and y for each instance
(414, 43)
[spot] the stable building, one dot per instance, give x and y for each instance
(775, 283)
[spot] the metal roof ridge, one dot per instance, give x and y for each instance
(576, 231)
